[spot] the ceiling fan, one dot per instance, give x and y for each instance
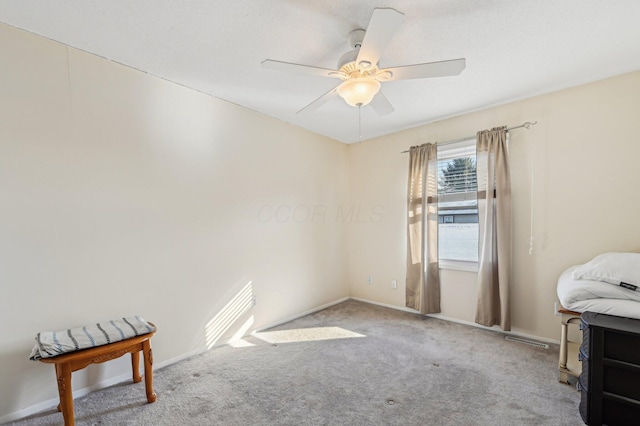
(359, 71)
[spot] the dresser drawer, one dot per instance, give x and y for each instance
(621, 381)
(619, 413)
(622, 347)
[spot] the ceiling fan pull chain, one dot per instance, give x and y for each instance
(359, 123)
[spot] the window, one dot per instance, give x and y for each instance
(458, 205)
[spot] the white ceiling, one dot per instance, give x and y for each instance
(514, 49)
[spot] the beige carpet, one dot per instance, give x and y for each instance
(351, 364)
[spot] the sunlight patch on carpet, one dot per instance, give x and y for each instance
(240, 343)
(306, 334)
(237, 340)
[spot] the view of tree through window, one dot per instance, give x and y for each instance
(458, 175)
(457, 202)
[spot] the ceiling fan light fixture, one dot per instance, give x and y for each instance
(359, 91)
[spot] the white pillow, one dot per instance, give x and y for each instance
(621, 269)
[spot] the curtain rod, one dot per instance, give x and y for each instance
(526, 125)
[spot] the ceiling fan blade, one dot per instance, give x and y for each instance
(431, 69)
(299, 68)
(383, 24)
(381, 105)
(331, 94)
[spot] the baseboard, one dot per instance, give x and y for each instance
(386, 305)
(298, 315)
(33, 409)
(167, 362)
(250, 332)
(459, 321)
(53, 403)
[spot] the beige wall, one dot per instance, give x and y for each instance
(582, 158)
(122, 194)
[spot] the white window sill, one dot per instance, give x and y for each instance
(458, 265)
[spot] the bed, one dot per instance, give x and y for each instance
(608, 284)
(581, 295)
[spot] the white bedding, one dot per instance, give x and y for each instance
(597, 296)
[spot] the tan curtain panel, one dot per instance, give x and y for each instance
(423, 280)
(494, 219)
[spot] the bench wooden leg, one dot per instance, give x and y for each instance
(135, 367)
(148, 370)
(63, 373)
(66, 364)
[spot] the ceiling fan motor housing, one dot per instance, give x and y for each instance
(347, 58)
(355, 38)
(355, 41)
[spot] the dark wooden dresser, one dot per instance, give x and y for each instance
(610, 378)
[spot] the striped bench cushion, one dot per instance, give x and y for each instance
(53, 343)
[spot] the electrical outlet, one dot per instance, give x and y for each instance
(369, 279)
(394, 284)
(555, 309)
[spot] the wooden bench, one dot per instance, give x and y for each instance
(73, 361)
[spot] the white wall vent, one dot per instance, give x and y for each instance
(527, 342)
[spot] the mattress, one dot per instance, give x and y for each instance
(597, 296)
